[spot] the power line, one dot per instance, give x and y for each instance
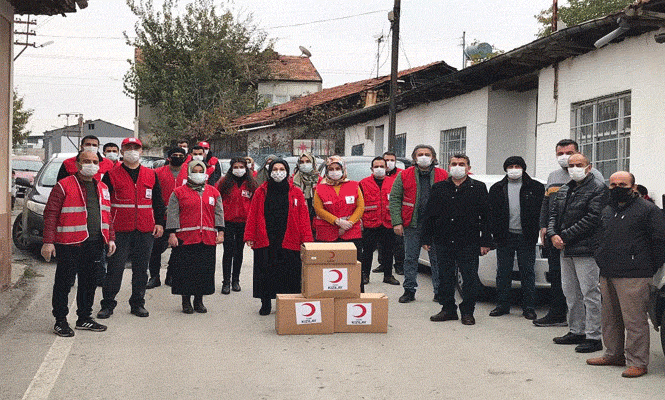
(404, 51)
(328, 20)
(64, 57)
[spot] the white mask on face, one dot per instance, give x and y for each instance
(305, 167)
(390, 165)
(577, 173)
(89, 170)
(379, 172)
(335, 175)
(514, 173)
(198, 177)
(424, 161)
(197, 157)
(458, 171)
(239, 172)
(278, 176)
(90, 149)
(563, 160)
(131, 156)
(112, 156)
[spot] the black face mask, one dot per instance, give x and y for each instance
(621, 194)
(177, 161)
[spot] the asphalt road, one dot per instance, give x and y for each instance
(232, 351)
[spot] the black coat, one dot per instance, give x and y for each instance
(456, 216)
(575, 216)
(531, 200)
(632, 241)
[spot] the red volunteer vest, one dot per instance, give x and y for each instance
(236, 202)
(377, 201)
(167, 183)
(410, 189)
(72, 227)
(197, 215)
(341, 205)
(105, 165)
(131, 204)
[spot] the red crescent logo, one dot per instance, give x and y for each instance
(362, 313)
(339, 275)
(332, 255)
(312, 309)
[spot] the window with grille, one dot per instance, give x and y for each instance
(400, 145)
(601, 127)
(453, 141)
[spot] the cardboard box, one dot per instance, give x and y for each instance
(368, 313)
(335, 281)
(335, 253)
(296, 315)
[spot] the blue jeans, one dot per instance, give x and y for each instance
(412, 246)
(526, 258)
(466, 260)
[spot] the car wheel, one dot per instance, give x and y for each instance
(17, 234)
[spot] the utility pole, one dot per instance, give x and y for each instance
(463, 49)
(394, 17)
(28, 23)
(79, 129)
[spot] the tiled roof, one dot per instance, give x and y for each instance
(46, 7)
(294, 68)
(288, 109)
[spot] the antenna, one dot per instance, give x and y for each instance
(304, 51)
(379, 38)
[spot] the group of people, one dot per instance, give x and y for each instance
(604, 245)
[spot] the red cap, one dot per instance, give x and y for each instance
(131, 140)
(205, 145)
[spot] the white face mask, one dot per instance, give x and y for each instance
(514, 173)
(198, 177)
(424, 161)
(390, 165)
(563, 160)
(379, 172)
(131, 156)
(239, 172)
(577, 173)
(112, 156)
(197, 157)
(90, 149)
(458, 171)
(335, 175)
(278, 176)
(305, 167)
(89, 169)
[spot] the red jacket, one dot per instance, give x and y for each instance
(236, 202)
(410, 190)
(131, 204)
(298, 230)
(105, 165)
(197, 215)
(341, 205)
(377, 202)
(168, 183)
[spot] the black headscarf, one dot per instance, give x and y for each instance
(276, 207)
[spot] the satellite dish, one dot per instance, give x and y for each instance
(480, 50)
(305, 52)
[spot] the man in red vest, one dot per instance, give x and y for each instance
(377, 227)
(77, 228)
(398, 250)
(170, 176)
(137, 211)
(212, 169)
(112, 153)
(408, 199)
(90, 144)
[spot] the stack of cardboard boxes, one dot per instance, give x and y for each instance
(331, 300)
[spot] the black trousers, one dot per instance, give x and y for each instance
(158, 248)
(136, 246)
(234, 245)
(371, 238)
(82, 260)
(466, 260)
(397, 251)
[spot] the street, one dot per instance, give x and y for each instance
(232, 351)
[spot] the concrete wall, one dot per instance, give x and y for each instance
(6, 85)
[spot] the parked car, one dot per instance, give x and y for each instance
(28, 228)
(657, 304)
(487, 263)
(25, 167)
(152, 161)
(293, 162)
(358, 167)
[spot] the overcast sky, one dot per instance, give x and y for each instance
(82, 70)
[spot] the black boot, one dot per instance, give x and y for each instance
(187, 305)
(153, 282)
(266, 307)
(198, 305)
(226, 288)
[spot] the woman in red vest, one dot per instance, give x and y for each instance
(339, 205)
(236, 188)
(195, 223)
(277, 224)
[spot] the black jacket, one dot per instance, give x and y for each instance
(531, 199)
(632, 241)
(575, 216)
(456, 216)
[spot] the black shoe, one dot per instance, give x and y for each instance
(187, 307)
(468, 319)
(499, 311)
(61, 328)
(407, 297)
(390, 280)
(380, 268)
(90, 325)
(529, 314)
(365, 279)
(226, 288)
(551, 320)
(104, 313)
(235, 286)
(153, 282)
(589, 346)
(139, 311)
(266, 307)
(570, 338)
(199, 307)
(444, 315)
(399, 271)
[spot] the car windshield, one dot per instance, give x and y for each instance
(49, 176)
(26, 165)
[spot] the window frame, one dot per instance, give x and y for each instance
(445, 154)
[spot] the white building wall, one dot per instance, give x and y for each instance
(635, 64)
(288, 89)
